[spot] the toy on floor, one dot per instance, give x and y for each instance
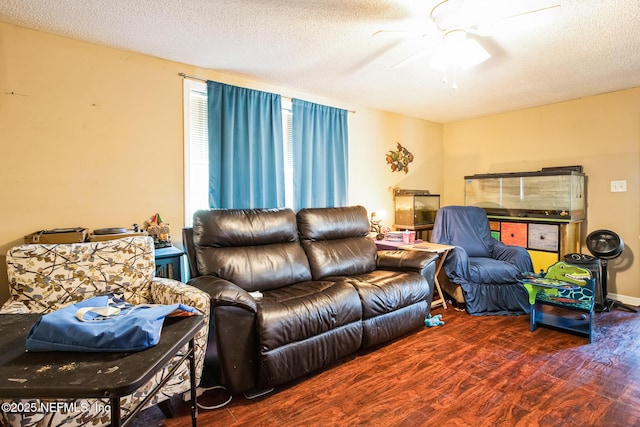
(433, 320)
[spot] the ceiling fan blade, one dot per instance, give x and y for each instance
(398, 34)
(526, 19)
(411, 59)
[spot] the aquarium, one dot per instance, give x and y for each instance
(415, 207)
(553, 193)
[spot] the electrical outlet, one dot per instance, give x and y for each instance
(618, 186)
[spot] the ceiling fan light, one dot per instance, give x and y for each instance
(439, 60)
(471, 53)
(464, 54)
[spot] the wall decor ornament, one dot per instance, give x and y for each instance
(399, 160)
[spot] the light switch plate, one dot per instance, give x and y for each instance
(618, 186)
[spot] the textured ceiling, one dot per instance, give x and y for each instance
(327, 48)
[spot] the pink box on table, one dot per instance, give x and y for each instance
(409, 237)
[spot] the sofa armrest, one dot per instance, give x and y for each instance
(224, 293)
(514, 255)
(169, 291)
(405, 260)
(232, 334)
(456, 266)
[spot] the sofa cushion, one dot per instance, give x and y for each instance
(393, 303)
(336, 241)
(304, 310)
(307, 326)
(464, 226)
(257, 249)
(384, 291)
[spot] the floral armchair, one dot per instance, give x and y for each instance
(44, 278)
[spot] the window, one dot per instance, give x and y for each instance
(196, 151)
(287, 136)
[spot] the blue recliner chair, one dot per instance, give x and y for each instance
(486, 269)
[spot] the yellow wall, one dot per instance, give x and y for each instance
(601, 133)
(371, 180)
(93, 136)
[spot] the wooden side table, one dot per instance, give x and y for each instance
(442, 251)
(388, 245)
(169, 263)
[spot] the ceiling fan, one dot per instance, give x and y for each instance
(452, 21)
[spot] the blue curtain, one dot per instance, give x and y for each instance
(319, 155)
(246, 166)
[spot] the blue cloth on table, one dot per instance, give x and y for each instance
(135, 328)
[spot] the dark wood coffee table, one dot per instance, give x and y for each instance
(71, 375)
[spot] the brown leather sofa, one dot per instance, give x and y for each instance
(293, 293)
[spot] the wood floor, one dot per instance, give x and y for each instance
(473, 371)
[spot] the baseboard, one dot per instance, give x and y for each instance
(624, 299)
